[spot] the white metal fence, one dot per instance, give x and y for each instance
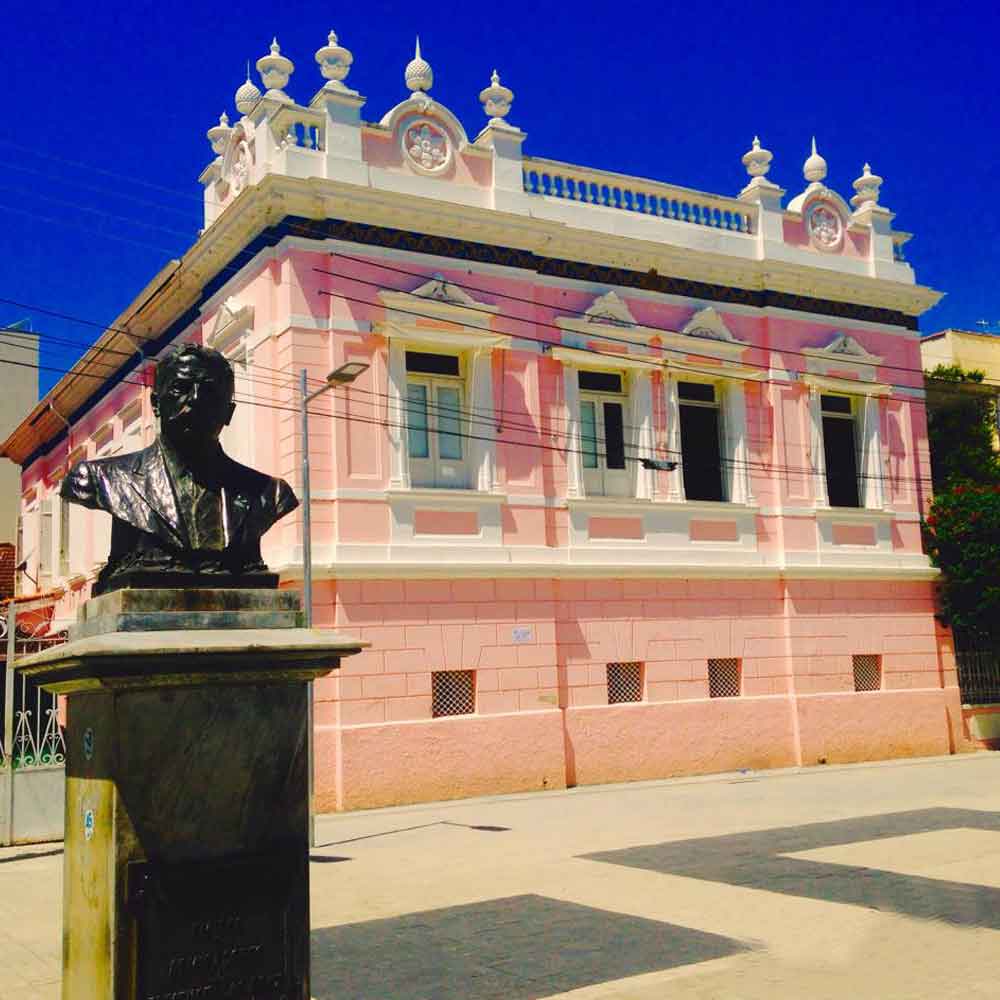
(32, 741)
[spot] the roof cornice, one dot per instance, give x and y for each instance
(182, 284)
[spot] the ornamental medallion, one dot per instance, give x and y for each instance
(427, 147)
(824, 225)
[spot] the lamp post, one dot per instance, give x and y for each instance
(344, 375)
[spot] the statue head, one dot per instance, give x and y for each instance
(193, 395)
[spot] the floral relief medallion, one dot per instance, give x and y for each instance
(427, 147)
(825, 228)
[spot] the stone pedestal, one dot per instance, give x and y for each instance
(186, 855)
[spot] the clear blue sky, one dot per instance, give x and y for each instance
(673, 92)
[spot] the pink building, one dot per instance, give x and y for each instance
(632, 486)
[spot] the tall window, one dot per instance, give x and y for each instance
(45, 544)
(64, 540)
(435, 405)
(840, 448)
(701, 440)
(602, 434)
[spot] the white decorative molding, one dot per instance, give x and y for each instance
(824, 226)
(483, 444)
(427, 147)
(574, 441)
(739, 488)
(672, 411)
(464, 321)
(842, 353)
(399, 464)
(645, 444)
(705, 334)
(575, 358)
(610, 308)
(434, 316)
(849, 386)
(608, 318)
(708, 324)
(232, 323)
(873, 473)
(441, 290)
(817, 453)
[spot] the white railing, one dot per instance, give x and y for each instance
(633, 194)
(302, 127)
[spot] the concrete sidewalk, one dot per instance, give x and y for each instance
(878, 881)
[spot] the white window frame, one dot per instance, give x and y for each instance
(65, 538)
(437, 471)
(637, 419)
(730, 399)
(867, 413)
(600, 480)
(131, 426)
(439, 318)
(46, 544)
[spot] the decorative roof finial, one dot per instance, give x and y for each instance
(814, 168)
(757, 160)
(275, 69)
(867, 188)
(496, 100)
(247, 96)
(418, 73)
(218, 135)
(334, 62)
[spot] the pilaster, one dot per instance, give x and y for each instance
(574, 445)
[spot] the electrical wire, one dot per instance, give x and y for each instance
(767, 468)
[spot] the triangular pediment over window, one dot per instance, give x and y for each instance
(232, 323)
(608, 317)
(707, 324)
(842, 352)
(442, 311)
(611, 309)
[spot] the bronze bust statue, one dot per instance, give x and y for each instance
(183, 512)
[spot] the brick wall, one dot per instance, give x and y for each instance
(7, 563)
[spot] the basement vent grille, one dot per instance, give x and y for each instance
(867, 672)
(453, 692)
(624, 682)
(724, 678)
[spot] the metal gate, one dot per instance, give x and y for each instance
(32, 745)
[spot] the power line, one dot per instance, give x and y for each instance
(765, 467)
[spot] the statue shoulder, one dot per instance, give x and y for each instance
(85, 481)
(274, 494)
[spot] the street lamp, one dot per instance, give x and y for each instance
(344, 375)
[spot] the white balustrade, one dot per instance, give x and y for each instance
(302, 127)
(633, 194)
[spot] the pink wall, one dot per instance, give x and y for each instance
(540, 648)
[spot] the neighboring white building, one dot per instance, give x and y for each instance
(19, 378)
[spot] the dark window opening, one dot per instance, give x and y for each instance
(431, 364)
(614, 436)
(702, 392)
(841, 462)
(836, 404)
(701, 453)
(600, 381)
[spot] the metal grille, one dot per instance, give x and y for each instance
(30, 733)
(867, 672)
(979, 676)
(624, 682)
(453, 692)
(724, 677)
